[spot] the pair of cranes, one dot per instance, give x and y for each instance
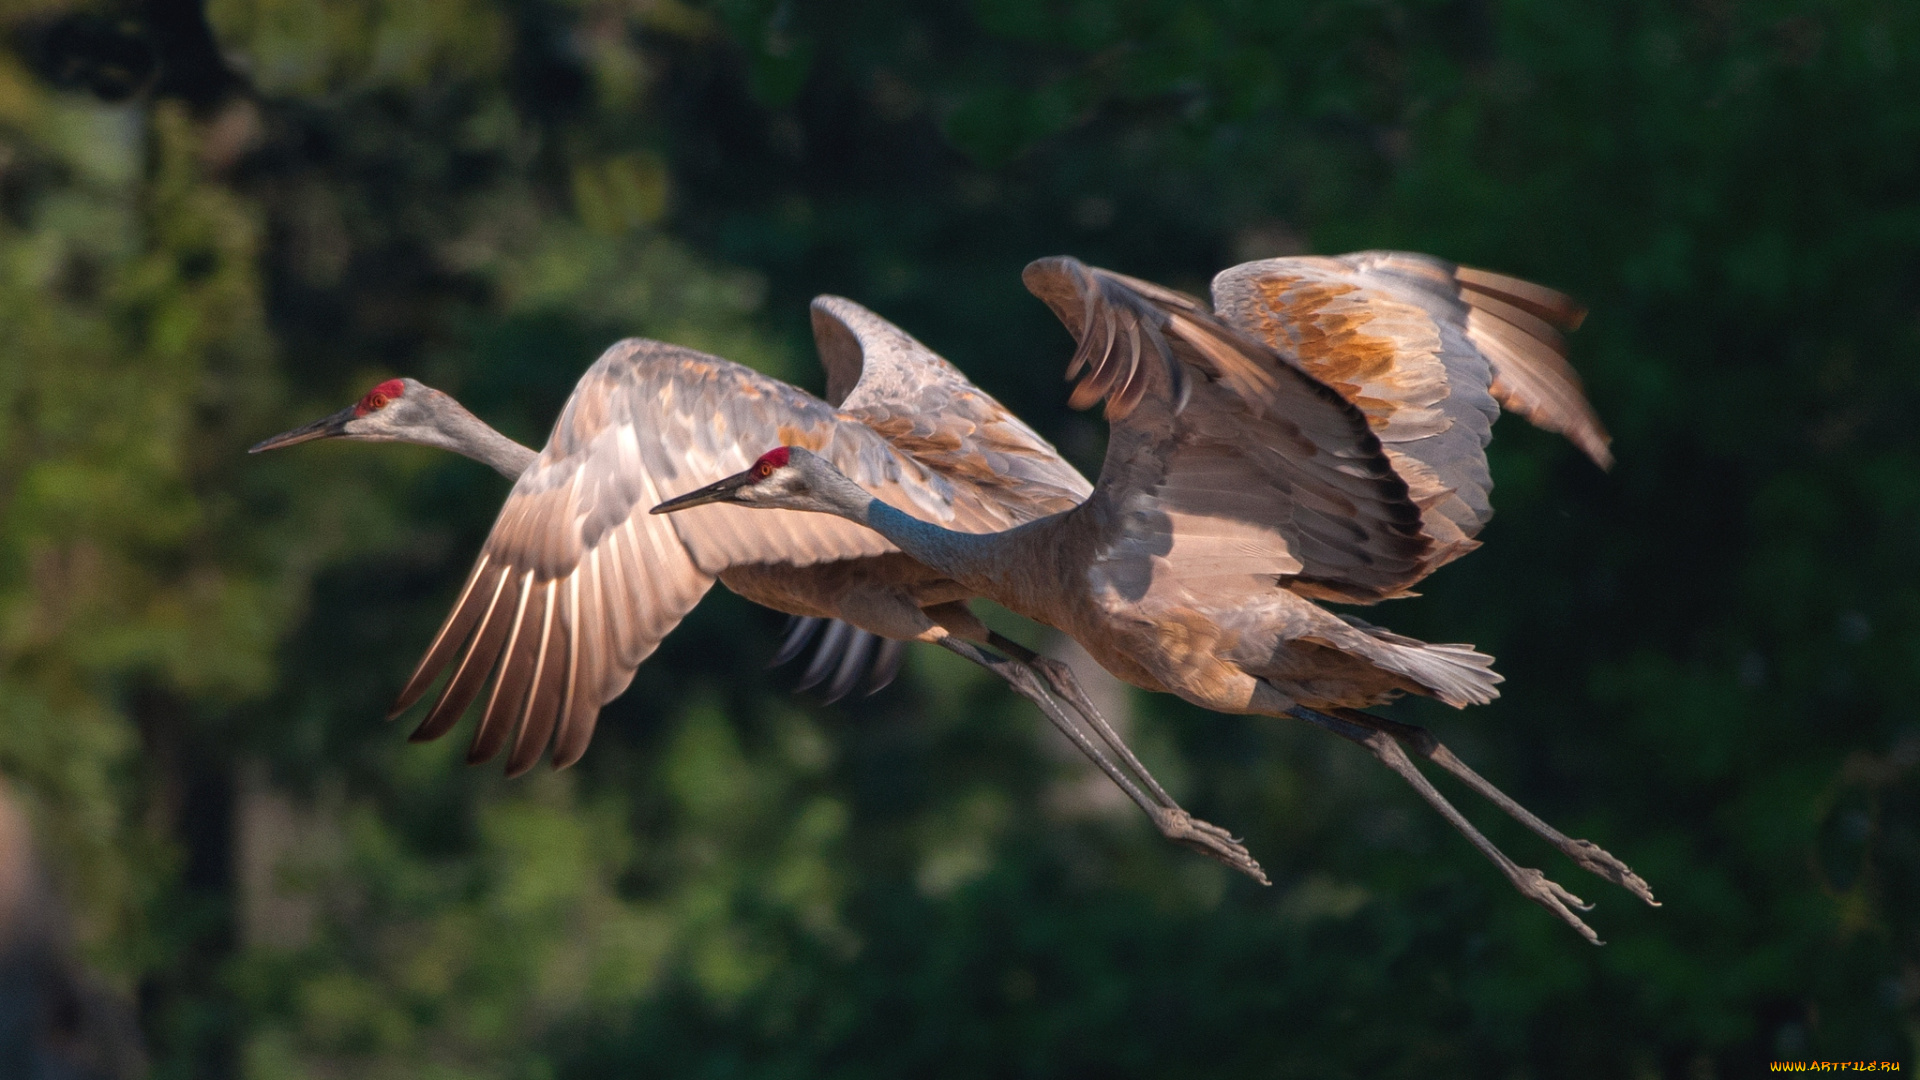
(1317, 435)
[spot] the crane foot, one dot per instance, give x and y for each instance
(1549, 894)
(1588, 855)
(1601, 863)
(1208, 839)
(1378, 739)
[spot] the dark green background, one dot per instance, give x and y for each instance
(219, 220)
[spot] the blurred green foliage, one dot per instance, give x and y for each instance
(217, 221)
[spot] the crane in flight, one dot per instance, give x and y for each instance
(1318, 436)
(577, 584)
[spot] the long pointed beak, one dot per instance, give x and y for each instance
(718, 491)
(331, 427)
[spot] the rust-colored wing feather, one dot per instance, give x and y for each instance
(1225, 462)
(1513, 325)
(1429, 351)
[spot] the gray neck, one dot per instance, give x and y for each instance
(482, 443)
(969, 558)
(456, 429)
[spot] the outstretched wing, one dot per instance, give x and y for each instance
(1429, 351)
(878, 374)
(1226, 465)
(577, 583)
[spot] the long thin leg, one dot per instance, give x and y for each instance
(1067, 685)
(1591, 856)
(1173, 822)
(1532, 884)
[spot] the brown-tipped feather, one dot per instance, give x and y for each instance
(1091, 342)
(570, 684)
(1527, 395)
(1101, 378)
(576, 725)
(1550, 304)
(543, 698)
(472, 672)
(1089, 301)
(1152, 326)
(612, 585)
(1521, 319)
(578, 734)
(1085, 333)
(510, 686)
(1429, 351)
(613, 575)
(1127, 397)
(1535, 380)
(453, 634)
(1255, 416)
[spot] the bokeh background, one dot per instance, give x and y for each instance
(219, 218)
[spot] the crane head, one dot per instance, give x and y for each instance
(784, 478)
(387, 413)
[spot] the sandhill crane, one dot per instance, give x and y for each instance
(577, 584)
(1321, 437)
(407, 410)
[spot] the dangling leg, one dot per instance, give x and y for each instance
(954, 627)
(1174, 823)
(1531, 883)
(1068, 686)
(1591, 856)
(1167, 814)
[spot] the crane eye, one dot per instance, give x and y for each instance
(379, 397)
(762, 471)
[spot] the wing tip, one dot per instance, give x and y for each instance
(1598, 448)
(1078, 294)
(1537, 381)
(1551, 305)
(1042, 273)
